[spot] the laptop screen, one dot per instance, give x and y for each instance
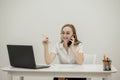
(21, 56)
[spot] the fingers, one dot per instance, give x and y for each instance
(45, 39)
(72, 39)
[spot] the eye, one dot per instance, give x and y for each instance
(68, 33)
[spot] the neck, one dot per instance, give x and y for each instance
(65, 46)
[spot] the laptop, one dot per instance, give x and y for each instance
(22, 56)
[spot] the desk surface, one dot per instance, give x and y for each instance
(63, 70)
(87, 68)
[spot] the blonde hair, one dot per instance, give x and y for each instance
(74, 33)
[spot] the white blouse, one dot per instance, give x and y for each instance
(64, 57)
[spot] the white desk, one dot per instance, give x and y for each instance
(62, 70)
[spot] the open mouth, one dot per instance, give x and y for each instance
(66, 39)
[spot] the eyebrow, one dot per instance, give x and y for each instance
(66, 31)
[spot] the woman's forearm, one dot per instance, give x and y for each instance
(78, 56)
(46, 54)
(48, 57)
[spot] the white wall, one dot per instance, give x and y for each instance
(97, 23)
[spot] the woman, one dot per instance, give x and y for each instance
(69, 50)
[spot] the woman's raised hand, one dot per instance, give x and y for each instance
(45, 40)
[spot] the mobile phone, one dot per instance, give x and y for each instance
(70, 42)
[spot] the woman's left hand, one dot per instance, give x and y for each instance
(72, 40)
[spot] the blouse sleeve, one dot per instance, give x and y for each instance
(54, 49)
(80, 48)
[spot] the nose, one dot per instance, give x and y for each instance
(65, 35)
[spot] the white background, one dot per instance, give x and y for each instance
(97, 23)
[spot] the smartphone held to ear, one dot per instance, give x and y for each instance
(69, 43)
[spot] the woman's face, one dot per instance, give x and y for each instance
(66, 34)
